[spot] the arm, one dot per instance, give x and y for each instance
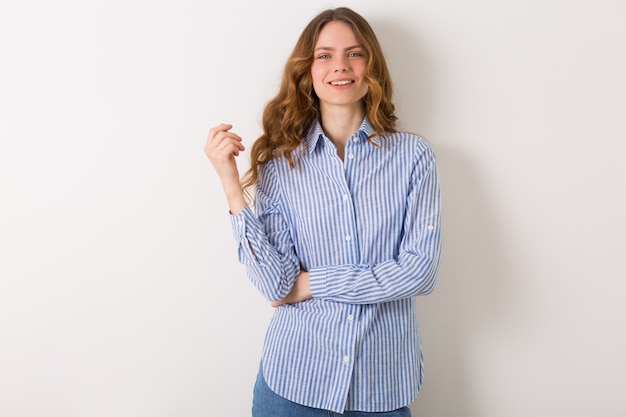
(415, 269)
(265, 244)
(221, 148)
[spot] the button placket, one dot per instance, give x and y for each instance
(350, 149)
(350, 233)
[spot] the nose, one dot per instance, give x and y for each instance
(341, 63)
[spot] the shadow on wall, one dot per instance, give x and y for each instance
(472, 295)
(471, 298)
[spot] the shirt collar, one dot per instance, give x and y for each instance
(316, 133)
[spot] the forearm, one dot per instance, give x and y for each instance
(234, 195)
(409, 276)
(271, 262)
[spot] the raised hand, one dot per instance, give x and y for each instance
(222, 146)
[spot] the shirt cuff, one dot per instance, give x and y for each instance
(317, 282)
(239, 221)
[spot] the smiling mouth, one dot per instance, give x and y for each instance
(342, 82)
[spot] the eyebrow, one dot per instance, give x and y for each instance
(328, 48)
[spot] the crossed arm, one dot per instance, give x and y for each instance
(273, 264)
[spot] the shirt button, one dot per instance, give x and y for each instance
(345, 197)
(346, 359)
(431, 227)
(348, 237)
(351, 156)
(355, 139)
(240, 223)
(350, 317)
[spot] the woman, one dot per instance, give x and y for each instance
(345, 230)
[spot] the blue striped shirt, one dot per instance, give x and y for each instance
(368, 231)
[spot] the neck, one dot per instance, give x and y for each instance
(339, 123)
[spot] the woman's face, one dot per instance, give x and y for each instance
(338, 68)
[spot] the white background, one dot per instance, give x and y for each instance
(120, 293)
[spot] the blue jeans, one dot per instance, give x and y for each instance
(266, 403)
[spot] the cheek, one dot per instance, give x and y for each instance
(360, 68)
(317, 74)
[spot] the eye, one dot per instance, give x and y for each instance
(355, 54)
(323, 56)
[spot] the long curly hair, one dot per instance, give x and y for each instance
(288, 116)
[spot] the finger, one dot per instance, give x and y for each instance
(224, 153)
(221, 142)
(227, 145)
(223, 137)
(216, 133)
(279, 303)
(221, 128)
(225, 150)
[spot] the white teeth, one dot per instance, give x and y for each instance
(344, 82)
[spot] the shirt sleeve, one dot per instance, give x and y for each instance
(265, 245)
(415, 269)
